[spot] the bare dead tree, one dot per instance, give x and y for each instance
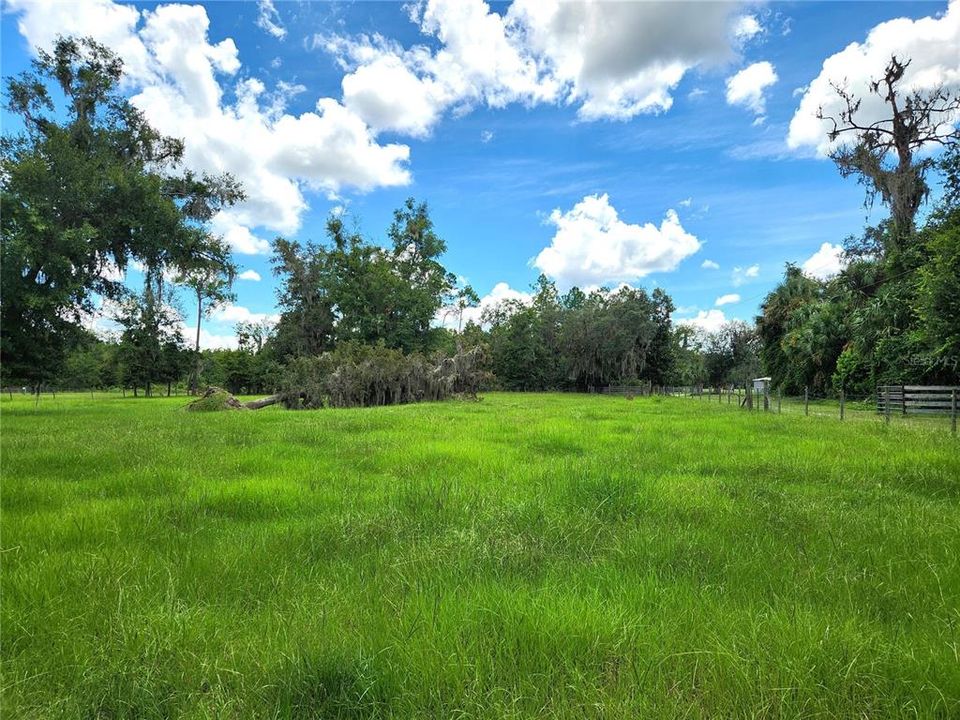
(884, 152)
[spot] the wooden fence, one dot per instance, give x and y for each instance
(917, 399)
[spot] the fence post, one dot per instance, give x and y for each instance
(779, 401)
(886, 404)
(953, 411)
(841, 403)
(806, 401)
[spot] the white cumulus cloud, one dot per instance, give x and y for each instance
(268, 19)
(592, 245)
(932, 44)
(706, 321)
(710, 265)
(177, 77)
(825, 263)
(747, 87)
(729, 299)
(250, 275)
(209, 340)
(230, 313)
(610, 60)
(740, 275)
(746, 27)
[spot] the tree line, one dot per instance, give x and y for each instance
(90, 189)
(892, 315)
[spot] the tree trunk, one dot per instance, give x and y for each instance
(196, 347)
(262, 402)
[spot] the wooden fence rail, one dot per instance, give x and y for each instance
(917, 399)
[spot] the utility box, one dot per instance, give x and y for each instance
(761, 386)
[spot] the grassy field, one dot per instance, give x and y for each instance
(527, 555)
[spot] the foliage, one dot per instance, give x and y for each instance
(209, 277)
(151, 345)
(306, 322)
(87, 187)
(891, 316)
(689, 363)
(938, 292)
(795, 292)
(886, 318)
(582, 341)
(242, 371)
(732, 355)
(351, 290)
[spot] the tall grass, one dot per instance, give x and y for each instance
(528, 555)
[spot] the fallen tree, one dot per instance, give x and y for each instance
(214, 399)
(262, 402)
(362, 376)
(357, 375)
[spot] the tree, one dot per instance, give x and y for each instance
(416, 257)
(937, 301)
(209, 276)
(149, 341)
(689, 365)
(608, 339)
(86, 187)
(87, 365)
(306, 319)
(777, 311)
(917, 120)
(253, 335)
(661, 354)
(732, 354)
(521, 359)
(350, 290)
(463, 298)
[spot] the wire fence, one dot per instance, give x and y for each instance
(936, 405)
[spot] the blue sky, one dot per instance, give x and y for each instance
(610, 155)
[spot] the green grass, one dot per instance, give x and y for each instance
(525, 556)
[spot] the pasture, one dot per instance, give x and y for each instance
(523, 556)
